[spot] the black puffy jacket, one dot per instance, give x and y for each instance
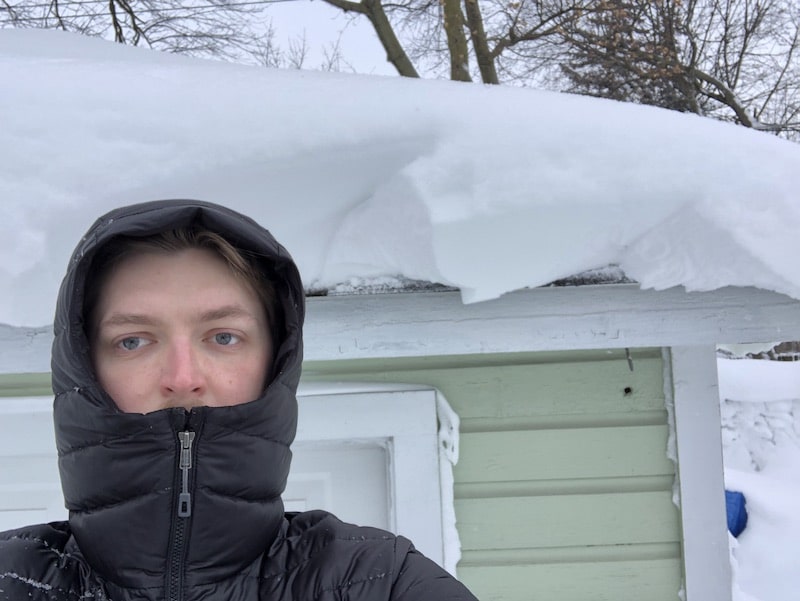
(126, 538)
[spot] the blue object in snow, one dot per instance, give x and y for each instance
(737, 511)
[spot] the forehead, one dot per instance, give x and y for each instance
(151, 280)
(153, 262)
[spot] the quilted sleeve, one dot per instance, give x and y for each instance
(34, 567)
(420, 579)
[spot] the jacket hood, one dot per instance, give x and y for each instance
(121, 473)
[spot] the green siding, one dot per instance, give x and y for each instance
(22, 385)
(601, 581)
(564, 454)
(563, 488)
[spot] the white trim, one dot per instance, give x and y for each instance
(541, 319)
(702, 489)
(406, 421)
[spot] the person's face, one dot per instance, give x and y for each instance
(179, 330)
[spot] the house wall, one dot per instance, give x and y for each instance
(29, 485)
(563, 489)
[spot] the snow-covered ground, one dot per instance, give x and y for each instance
(760, 404)
(485, 188)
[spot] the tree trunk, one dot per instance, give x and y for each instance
(479, 43)
(456, 40)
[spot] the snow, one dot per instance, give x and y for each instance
(448, 457)
(483, 188)
(760, 403)
(378, 181)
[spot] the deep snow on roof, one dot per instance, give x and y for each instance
(485, 188)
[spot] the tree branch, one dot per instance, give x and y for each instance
(347, 6)
(726, 96)
(373, 9)
(57, 12)
(553, 23)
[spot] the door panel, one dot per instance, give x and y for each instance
(349, 479)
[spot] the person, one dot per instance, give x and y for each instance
(176, 356)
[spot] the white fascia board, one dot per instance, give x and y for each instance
(707, 569)
(543, 319)
(539, 319)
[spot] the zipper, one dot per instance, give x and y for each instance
(185, 440)
(183, 500)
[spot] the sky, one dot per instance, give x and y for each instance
(323, 25)
(384, 180)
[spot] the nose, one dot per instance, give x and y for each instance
(183, 382)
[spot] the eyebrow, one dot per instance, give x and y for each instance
(224, 312)
(127, 319)
(137, 319)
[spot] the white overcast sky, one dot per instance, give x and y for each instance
(323, 25)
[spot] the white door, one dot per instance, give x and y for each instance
(30, 491)
(348, 479)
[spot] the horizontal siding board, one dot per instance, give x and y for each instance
(581, 486)
(567, 520)
(39, 435)
(526, 388)
(648, 580)
(564, 421)
(27, 384)
(563, 454)
(11, 520)
(537, 390)
(585, 554)
(29, 469)
(31, 498)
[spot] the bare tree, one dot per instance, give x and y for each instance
(211, 28)
(737, 60)
(489, 40)
(268, 52)
(333, 57)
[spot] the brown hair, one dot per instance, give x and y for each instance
(242, 265)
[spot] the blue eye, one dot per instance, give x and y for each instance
(225, 338)
(132, 343)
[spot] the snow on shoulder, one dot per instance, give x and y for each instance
(489, 189)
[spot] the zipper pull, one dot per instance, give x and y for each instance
(185, 463)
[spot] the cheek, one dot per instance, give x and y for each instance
(129, 396)
(248, 383)
(254, 382)
(130, 389)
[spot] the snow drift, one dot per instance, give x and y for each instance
(488, 189)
